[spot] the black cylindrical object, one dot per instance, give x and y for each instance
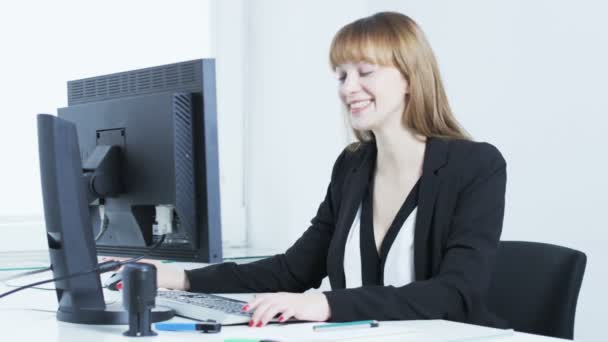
(138, 297)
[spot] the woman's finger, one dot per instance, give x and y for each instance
(252, 304)
(287, 314)
(270, 313)
(259, 311)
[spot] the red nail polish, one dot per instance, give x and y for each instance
(259, 324)
(245, 308)
(250, 323)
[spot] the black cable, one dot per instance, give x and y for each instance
(103, 267)
(27, 273)
(33, 287)
(147, 254)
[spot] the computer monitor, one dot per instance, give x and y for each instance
(150, 136)
(69, 234)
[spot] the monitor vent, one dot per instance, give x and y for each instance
(177, 253)
(184, 160)
(186, 76)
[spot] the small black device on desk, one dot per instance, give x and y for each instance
(138, 297)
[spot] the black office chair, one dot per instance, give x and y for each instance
(535, 287)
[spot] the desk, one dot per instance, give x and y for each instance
(30, 316)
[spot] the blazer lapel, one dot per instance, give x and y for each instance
(354, 188)
(435, 157)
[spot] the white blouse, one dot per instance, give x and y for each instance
(399, 266)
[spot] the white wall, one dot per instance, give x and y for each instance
(527, 76)
(295, 125)
(46, 43)
(229, 46)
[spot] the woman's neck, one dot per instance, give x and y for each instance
(400, 152)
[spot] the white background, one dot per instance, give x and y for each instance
(45, 44)
(527, 76)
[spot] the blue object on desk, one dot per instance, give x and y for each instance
(206, 327)
(346, 325)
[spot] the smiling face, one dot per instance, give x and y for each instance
(385, 59)
(374, 95)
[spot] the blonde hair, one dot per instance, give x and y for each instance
(394, 39)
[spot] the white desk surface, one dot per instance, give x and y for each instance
(29, 315)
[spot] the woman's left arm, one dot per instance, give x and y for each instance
(465, 270)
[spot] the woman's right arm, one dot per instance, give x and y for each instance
(169, 276)
(301, 267)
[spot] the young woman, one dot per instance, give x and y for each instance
(413, 213)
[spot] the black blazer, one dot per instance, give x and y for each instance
(458, 226)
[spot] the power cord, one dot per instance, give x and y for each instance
(104, 221)
(103, 267)
(147, 254)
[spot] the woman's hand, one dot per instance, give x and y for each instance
(310, 306)
(167, 276)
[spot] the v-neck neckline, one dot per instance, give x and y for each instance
(372, 262)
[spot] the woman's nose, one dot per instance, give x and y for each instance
(350, 85)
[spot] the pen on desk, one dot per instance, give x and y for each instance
(345, 325)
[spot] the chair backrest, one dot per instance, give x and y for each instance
(535, 287)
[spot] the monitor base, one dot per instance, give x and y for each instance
(112, 314)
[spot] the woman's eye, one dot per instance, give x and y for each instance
(365, 73)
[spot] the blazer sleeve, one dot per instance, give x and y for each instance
(464, 272)
(300, 268)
